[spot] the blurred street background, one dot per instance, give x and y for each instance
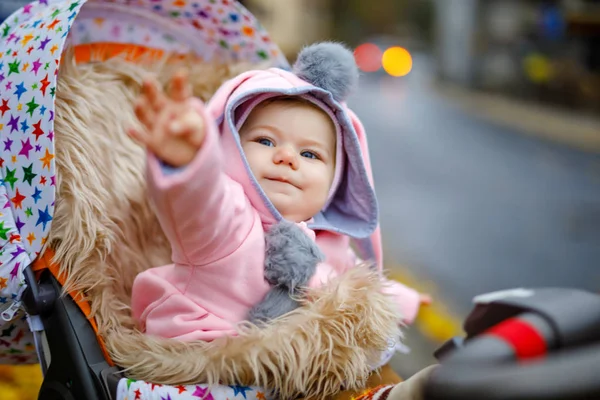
(483, 119)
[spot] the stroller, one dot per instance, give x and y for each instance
(37, 322)
(523, 344)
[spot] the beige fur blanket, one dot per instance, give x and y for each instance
(105, 232)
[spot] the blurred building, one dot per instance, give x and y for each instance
(7, 7)
(293, 23)
(539, 49)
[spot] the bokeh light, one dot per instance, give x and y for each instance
(538, 68)
(368, 57)
(397, 61)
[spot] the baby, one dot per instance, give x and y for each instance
(260, 194)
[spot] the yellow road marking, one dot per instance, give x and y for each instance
(435, 321)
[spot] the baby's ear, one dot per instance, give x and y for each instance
(330, 66)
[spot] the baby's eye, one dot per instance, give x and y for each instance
(309, 154)
(265, 142)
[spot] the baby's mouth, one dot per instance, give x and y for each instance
(280, 179)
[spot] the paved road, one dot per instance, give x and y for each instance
(476, 207)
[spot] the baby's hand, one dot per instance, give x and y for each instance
(425, 299)
(172, 129)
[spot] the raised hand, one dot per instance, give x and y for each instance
(425, 299)
(172, 130)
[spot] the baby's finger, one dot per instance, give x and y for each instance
(154, 94)
(161, 129)
(180, 87)
(425, 299)
(138, 135)
(144, 112)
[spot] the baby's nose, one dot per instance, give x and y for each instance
(286, 155)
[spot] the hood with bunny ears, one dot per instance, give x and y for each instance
(323, 74)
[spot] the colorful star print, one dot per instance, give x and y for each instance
(4, 107)
(128, 389)
(31, 106)
(3, 231)
(20, 90)
(37, 195)
(14, 124)
(224, 30)
(240, 390)
(10, 178)
(203, 393)
(43, 217)
(18, 200)
(13, 68)
(26, 151)
(26, 147)
(46, 160)
(28, 174)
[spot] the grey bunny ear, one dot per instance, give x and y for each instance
(330, 66)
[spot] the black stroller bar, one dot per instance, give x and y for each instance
(77, 367)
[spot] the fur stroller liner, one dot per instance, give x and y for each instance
(80, 201)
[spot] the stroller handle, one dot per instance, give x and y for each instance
(541, 344)
(569, 375)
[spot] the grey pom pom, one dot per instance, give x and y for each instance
(330, 66)
(291, 257)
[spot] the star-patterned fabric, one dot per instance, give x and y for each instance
(212, 29)
(16, 343)
(139, 390)
(32, 41)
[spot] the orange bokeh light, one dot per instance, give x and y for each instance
(368, 57)
(397, 61)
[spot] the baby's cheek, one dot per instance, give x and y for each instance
(321, 182)
(254, 160)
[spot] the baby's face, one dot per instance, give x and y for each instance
(290, 147)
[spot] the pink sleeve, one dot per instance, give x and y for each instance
(169, 313)
(407, 299)
(204, 213)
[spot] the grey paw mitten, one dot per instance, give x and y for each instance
(291, 259)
